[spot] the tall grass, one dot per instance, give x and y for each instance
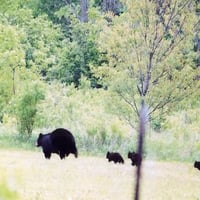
(97, 129)
(157, 146)
(16, 141)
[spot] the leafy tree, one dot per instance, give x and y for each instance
(78, 55)
(11, 52)
(150, 55)
(52, 8)
(42, 45)
(40, 40)
(65, 55)
(11, 62)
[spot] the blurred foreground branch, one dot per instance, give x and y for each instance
(142, 123)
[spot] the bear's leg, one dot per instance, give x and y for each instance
(133, 163)
(76, 154)
(66, 154)
(62, 155)
(47, 155)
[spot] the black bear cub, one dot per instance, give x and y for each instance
(60, 141)
(115, 157)
(197, 165)
(135, 158)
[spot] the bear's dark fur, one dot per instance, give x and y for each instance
(135, 158)
(60, 141)
(115, 157)
(197, 165)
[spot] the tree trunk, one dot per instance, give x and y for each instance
(197, 39)
(84, 11)
(111, 5)
(197, 49)
(13, 80)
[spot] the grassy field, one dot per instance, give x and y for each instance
(93, 178)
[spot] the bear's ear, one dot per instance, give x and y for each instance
(40, 135)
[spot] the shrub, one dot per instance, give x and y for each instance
(27, 109)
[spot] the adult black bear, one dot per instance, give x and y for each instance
(197, 165)
(115, 157)
(60, 141)
(135, 158)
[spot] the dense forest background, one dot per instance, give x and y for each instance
(86, 65)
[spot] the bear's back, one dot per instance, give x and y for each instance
(63, 140)
(61, 137)
(61, 132)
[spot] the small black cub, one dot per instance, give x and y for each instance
(135, 158)
(197, 165)
(115, 157)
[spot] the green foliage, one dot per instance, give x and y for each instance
(43, 42)
(11, 63)
(156, 124)
(42, 45)
(179, 139)
(27, 109)
(59, 12)
(36, 42)
(50, 7)
(5, 95)
(148, 59)
(16, 141)
(77, 55)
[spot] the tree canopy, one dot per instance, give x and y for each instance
(150, 53)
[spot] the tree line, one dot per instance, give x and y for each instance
(135, 49)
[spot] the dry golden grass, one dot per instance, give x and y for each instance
(93, 178)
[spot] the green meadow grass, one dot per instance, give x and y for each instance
(93, 178)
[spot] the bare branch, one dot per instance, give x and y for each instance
(133, 104)
(161, 75)
(170, 98)
(148, 74)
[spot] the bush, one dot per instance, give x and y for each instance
(27, 109)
